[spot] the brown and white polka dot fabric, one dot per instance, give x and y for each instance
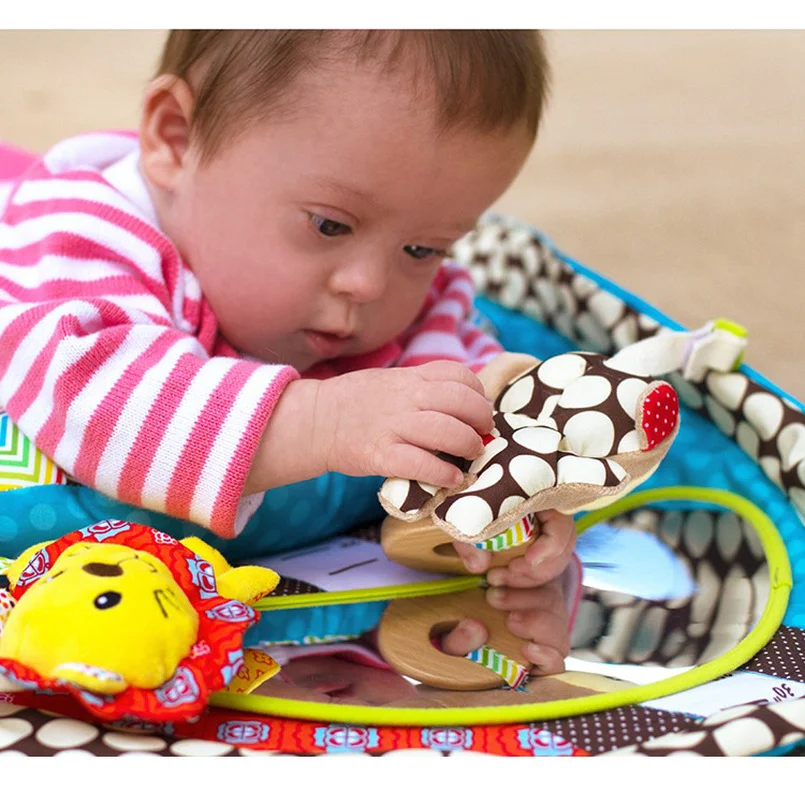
(516, 267)
(35, 733)
(783, 656)
(723, 555)
(606, 731)
(768, 428)
(734, 732)
(568, 432)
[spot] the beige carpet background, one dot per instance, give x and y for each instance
(673, 162)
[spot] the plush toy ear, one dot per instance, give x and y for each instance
(215, 558)
(88, 677)
(247, 584)
(14, 570)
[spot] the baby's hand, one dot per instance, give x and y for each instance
(390, 422)
(530, 589)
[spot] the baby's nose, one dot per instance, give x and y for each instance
(363, 281)
(102, 569)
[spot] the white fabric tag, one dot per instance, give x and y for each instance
(742, 687)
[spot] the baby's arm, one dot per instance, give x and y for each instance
(387, 422)
(98, 365)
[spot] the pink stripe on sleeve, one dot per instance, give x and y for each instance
(103, 420)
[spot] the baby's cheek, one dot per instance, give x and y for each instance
(389, 318)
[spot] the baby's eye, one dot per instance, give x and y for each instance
(328, 227)
(422, 252)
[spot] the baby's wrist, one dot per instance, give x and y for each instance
(291, 448)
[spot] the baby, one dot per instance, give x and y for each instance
(253, 292)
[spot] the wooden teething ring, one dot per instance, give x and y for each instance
(407, 625)
(423, 546)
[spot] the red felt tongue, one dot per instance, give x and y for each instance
(660, 414)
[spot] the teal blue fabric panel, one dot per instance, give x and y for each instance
(290, 516)
(520, 333)
(321, 623)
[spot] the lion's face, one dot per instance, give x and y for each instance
(104, 617)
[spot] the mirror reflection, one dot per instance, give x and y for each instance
(664, 589)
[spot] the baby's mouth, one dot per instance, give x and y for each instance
(326, 345)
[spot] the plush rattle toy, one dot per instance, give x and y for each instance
(129, 620)
(569, 433)
(576, 431)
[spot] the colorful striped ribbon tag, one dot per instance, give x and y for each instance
(518, 534)
(513, 674)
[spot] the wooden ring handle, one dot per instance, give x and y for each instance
(422, 545)
(404, 639)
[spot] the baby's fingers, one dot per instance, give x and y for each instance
(520, 573)
(542, 628)
(546, 660)
(459, 401)
(451, 371)
(468, 636)
(439, 432)
(414, 463)
(475, 559)
(553, 546)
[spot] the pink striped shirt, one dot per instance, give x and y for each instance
(110, 357)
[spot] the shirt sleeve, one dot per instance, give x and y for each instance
(112, 368)
(445, 329)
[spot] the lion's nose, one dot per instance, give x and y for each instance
(102, 569)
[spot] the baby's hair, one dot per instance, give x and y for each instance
(487, 80)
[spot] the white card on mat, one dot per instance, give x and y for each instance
(344, 563)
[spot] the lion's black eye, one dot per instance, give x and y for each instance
(107, 600)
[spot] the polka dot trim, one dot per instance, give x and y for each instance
(597, 733)
(782, 656)
(660, 414)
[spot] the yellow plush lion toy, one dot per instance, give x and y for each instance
(123, 610)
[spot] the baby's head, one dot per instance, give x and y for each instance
(314, 179)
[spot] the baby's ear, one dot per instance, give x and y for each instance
(165, 130)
